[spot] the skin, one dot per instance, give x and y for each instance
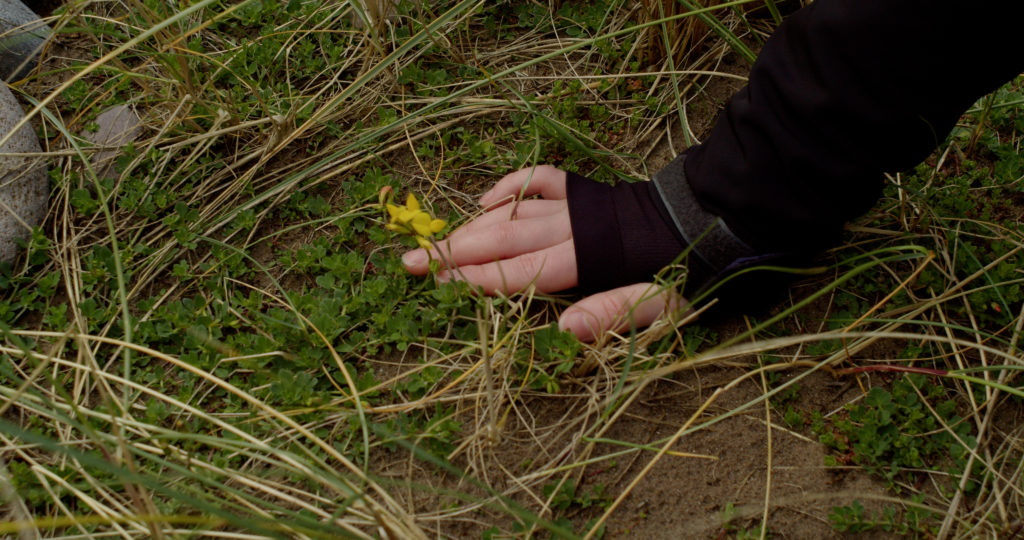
(511, 246)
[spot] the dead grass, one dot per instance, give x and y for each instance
(103, 435)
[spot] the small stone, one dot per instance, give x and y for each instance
(22, 38)
(23, 184)
(115, 127)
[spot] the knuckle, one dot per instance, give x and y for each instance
(505, 233)
(528, 266)
(611, 308)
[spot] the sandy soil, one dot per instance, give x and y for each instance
(684, 497)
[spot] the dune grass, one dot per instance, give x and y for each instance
(219, 339)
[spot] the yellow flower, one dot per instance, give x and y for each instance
(413, 220)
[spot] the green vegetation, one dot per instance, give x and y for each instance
(894, 433)
(854, 518)
(219, 338)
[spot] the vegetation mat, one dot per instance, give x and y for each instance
(216, 338)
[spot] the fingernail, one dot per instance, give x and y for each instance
(415, 258)
(444, 276)
(570, 320)
(485, 199)
(579, 323)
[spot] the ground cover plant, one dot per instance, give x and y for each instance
(218, 339)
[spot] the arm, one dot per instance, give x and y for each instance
(844, 90)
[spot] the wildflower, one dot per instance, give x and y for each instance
(413, 220)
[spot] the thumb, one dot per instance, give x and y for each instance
(615, 310)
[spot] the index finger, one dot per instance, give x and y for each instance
(545, 180)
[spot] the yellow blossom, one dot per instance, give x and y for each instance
(411, 219)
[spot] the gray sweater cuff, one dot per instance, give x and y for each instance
(709, 236)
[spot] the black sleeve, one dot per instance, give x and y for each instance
(622, 234)
(843, 91)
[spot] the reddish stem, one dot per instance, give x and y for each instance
(900, 369)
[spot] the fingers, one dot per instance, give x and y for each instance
(510, 247)
(546, 180)
(493, 235)
(503, 240)
(616, 310)
(550, 269)
(524, 210)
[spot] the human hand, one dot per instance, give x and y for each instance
(514, 244)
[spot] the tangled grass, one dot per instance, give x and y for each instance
(217, 340)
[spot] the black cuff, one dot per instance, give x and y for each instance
(622, 235)
(626, 234)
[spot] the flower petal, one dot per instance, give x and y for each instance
(406, 215)
(436, 225)
(411, 203)
(423, 242)
(421, 224)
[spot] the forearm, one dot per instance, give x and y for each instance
(842, 92)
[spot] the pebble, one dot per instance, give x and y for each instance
(115, 127)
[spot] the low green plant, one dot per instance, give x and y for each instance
(893, 431)
(912, 522)
(566, 498)
(552, 356)
(731, 529)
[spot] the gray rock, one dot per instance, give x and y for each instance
(116, 127)
(23, 184)
(22, 38)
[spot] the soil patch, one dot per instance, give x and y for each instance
(726, 491)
